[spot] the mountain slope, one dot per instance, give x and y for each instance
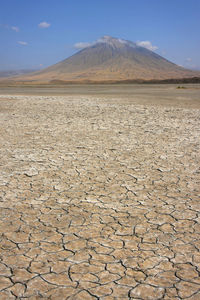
(112, 59)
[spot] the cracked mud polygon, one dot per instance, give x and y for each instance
(99, 195)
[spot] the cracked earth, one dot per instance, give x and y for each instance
(98, 199)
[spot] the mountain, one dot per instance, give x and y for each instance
(111, 59)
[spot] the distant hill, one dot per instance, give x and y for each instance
(111, 59)
(11, 73)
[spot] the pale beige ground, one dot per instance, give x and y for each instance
(99, 195)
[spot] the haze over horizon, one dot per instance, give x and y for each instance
(37, 34)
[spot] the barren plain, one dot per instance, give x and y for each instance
(99, 192)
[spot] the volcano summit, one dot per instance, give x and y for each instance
(111, 59)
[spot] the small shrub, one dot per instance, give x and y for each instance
(181, 87)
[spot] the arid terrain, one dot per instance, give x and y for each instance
(99, 192)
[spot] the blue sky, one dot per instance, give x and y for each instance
(38, 33)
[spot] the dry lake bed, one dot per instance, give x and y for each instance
(100, 192)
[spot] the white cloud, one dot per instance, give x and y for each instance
(15, 28)
(109, 40)
(104, 39)
(82, 45)
(44, 25)
(188, 59)
(22, 43)
(147, 44)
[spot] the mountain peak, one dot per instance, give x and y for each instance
(115, 42)
(109, 39)
(112, 41)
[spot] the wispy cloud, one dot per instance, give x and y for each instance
(44, 25)
(8, 27)
(146, 44)
(3, 26)
(82, 45)
(22, 43)
(189, 63)
(15, 28)
(104, 39)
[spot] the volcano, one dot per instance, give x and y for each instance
(111, 59)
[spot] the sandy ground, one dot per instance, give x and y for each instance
(147, 94)
(99, 194)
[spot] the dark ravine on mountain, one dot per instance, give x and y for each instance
(110, 59)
